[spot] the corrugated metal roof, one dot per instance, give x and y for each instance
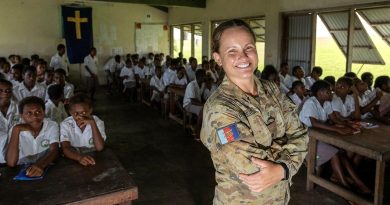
(257, 25)
(379, 18)
(364, 50)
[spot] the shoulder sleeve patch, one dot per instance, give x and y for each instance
(228, 134)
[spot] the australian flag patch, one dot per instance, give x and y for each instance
(228, 134)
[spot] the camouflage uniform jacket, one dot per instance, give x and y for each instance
(268, 127)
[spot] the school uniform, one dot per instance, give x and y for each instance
(283, 88)
(293, 79)
(344, 108)
(148, 71)
(309, 82)
(141, 72)
(169, 76)
(208, 92)
(58, 62)
(113, 69)
(129, 73)
(21, 91)
(55, 113)
(193, 91)
(213, 75)
(159, 85)
(32, 149)
(190, 73)
(6, 123)
(68, 90)
(70, 132)
(297, 100)
(92, 63)
(182, 81)
(285, 79)
(312, 108)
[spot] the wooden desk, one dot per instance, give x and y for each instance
(67, 182)
(371, 143)
(146, 92)
(175, 92)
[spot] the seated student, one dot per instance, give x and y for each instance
(382, 83)
(142, 71)
(59, 79)
(315, 75)
(345, 106)
(6, 71)
(8, 115)
(49, 76)
(191, 68)
(368, 78)
(297, 94)
(128, 78)
(29, 87)
(351, 75)
(209, 72)
(298, 74)
(316, 111)
(55, 109)
(269, 73)
(332, 82)
(41, 68)
(210, 88)
(16, 72)
(34, 60)
(157, 85)
(180, 78)
(112, 69)
(284, 77)
(367, 100)
(192, 101)
(82, 132)
(35, 141)
(170, 73)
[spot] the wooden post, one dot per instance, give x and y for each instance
(351, 31)
(181, 39)
(192, 40)
(311, 162)
(379, 182)
(313, 41)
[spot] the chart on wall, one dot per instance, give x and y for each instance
(151, 38)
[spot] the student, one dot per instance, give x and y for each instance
(6, 71)
(297, 94)
(35, 141)
(367, 100)
(190, 70)
(192, 101)
(8, 115)
(382, 83)
(210, 88)
(49, 76)
(82, 131)
(128, 78)
(170, 73)
(271, 74)
(26, 62)
(29, 87)
(285, 78)
(316, 111)
(350, 75)
(16, 72)
(156, 62)
(166, 64)
(55, 109)
(315, 75)
(157, 85)
(209, 72)
(180, 78)
(346, 106)
(59, 79)
(60, 60)
(11, 59)
(41, 68)
(368, 78)
(34, 60)
(140, 70)
(90, 72)
(298, 74)
(112, 69)
(332, 82)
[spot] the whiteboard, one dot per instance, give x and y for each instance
(151, 38)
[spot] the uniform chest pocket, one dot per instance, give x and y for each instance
(260, 131)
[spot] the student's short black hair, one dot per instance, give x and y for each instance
(175, 61)
(117, 57)
(34, 57)
(366, 75)
(143, 60)
(49, 71)
(18, 67)
(381, 80)
(295, 68)
(346, 80)
(319, 85)
(60, 46)
(55, 91)
(91, 49)
(26, 61)
(180, 68)
(350, 75)
(31, 69)
(283, 64)
(60, 71)
(330, 79)
(268, 71)
(3, 60)
(200, 73)
(317, 69)
(191, 59)
(6, 82)
(11, 56)
(80, 98)
(128, 60)
(296, 84)
(31, 100)
(205, 62)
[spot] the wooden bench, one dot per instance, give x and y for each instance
(68, 182)
(176, 110)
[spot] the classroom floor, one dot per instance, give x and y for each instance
(169, 167)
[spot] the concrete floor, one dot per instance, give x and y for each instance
(169, 167)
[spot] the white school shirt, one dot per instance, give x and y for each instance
(148, 71)
(70, 132)
(113, 66)
(293, 79)
(193, 91)
(141, 72)
(365, 99)
(212, 75)
(169, 76)
(6, 123)
(309, 82)
(21, 91)
(344, 108)
(28, 145)
(190, 73)
(208, 92)
(58, 61)
(55, 113)
(296, 99)
(285, 79)
(182, 81)
(68, 90)
(92, 64)
(157, 83)
(129, 72)
(312, 108)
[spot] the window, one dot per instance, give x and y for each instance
(187, 38)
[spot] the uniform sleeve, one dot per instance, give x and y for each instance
(308, 110)
(234, 156)
(336, 105)
(53, 132)
(100, 125)
(292, 148)
(352, 103)
(65, 132)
